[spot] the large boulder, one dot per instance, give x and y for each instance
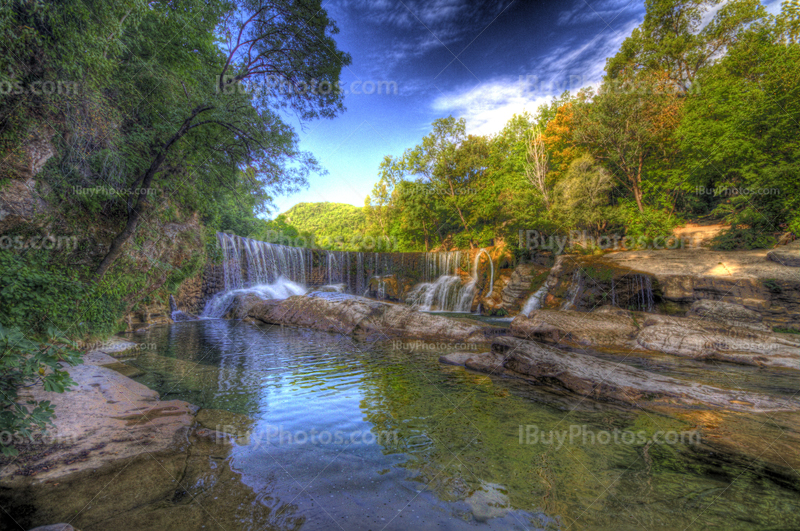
(114, 446)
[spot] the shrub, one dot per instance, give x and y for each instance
(23, 363)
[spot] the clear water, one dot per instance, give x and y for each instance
(415, 444)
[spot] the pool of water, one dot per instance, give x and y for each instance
(356, 435)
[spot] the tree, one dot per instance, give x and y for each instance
(537, 164)
(583, 196)
(629, 126)
(674, 39)
(378, 206)
(448, 160)
(277, 54)
(740, 136)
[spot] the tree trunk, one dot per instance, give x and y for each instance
(141, 199)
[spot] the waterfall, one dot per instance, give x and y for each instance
(442, 288)
(447, 293)
(475, 269)
(574, 291)
(273, 271)
(642, 286)
(534, 302)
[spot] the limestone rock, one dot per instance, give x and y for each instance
(577, 329)
(728, 313)
(788, 255)
(351, 315)
(606, 380)
(113, 444)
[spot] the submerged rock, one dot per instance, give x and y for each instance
(351, 315)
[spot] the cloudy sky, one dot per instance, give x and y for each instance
(483, 61)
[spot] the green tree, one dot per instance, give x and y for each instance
(740, 135)
(674, 39)
(276, 54)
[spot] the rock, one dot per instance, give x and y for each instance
(114, 445)
(788, 255)
(20, 203)
(177, 315)
(747, 278)
(351, 315)
(490, 501)
(577, 329)
(54, 527)
(456, 358)
(728, 313)
(606, 380)
(699, 339)
(679, 336)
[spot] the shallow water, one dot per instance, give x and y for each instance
(381, 436)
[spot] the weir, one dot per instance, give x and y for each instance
(442, 281)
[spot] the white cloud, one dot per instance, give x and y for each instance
(487, 107)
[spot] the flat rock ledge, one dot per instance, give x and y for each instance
(113, 442)
(359, 316)
(689, 337)
(607, 381)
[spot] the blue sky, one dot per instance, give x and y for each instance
(483, 61)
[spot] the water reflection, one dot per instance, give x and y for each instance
(371, 436)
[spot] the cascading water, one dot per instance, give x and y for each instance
(443, 289)
(273, 271)
(475, 269)
(535, 301)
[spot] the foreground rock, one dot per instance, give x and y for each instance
(350, 315)
(679, 336)
(113, 440)
(605, 380)
(788, 255)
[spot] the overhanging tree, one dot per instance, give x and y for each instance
(277, 55)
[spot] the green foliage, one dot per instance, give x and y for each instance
(741, 238)
(334, 225)
(25, 362)
(37, 295)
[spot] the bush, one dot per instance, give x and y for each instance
(739, 238)
(23, 363)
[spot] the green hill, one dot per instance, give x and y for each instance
(330, 223)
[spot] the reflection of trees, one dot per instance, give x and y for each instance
(213, 364)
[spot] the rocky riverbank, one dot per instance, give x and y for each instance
(119, 458)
